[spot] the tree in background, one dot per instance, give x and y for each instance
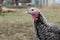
(5, 2)
(16, 2)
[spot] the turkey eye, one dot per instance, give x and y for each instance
(32, 10)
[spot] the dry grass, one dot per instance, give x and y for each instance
(19, 25)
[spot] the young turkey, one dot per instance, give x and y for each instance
(43, 29)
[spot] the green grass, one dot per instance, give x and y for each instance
(19, 25)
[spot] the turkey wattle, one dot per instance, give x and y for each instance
(44, 30)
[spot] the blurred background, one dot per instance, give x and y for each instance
(26, 3)
(16, 24)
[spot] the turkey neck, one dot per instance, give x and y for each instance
(41, 21)
(40, 25)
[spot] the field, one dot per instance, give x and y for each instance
(19, 25)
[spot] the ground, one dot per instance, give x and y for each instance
(19, 25)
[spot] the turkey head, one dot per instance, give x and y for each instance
(34, 12)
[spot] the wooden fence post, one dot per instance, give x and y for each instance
(1, 1)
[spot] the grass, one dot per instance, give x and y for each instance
(19, 25)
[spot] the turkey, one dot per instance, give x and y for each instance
(43, 29)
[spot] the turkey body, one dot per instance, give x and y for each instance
(43, 29)
(47, 31)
